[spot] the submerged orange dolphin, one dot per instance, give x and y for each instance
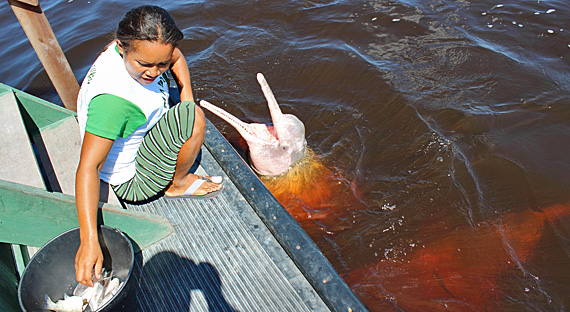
(468, 269)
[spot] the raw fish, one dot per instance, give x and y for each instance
(102, 291)
(67, 304)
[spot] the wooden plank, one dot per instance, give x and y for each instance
(8, 280)
(32, 216)
(19, 164)
(42, 38)
(30, 2)
(43, 114)
(58, 150)
(55, 133)
(21, 257)
(59, 147)
(18, 156)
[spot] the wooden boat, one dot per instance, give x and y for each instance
(243, 240)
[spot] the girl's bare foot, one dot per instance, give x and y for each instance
(180, 188)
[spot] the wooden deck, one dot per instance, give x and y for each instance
(221, 257)
(240, 251)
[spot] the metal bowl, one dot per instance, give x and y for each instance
(52, 270)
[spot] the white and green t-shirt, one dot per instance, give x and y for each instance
(113, 105)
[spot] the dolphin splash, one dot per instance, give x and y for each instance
(274, 148)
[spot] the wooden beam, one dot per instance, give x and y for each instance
(42, 38)
(30, 2)
(32, 216)
(8, 280)
(21, 258)
(19, 165)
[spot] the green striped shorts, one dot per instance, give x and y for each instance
(156, 159)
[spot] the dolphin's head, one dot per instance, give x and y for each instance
(275, 147)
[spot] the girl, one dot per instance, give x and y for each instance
(131, 139)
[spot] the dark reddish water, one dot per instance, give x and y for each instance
(445, 125)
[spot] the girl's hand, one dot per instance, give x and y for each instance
(89, 256)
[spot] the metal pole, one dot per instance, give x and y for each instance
(42, 38)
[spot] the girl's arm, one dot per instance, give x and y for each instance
(179, 69)
(94, 152)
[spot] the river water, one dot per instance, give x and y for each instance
(446, 124)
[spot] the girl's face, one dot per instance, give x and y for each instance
(146, 60)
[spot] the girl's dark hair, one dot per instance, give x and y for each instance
(148, 22)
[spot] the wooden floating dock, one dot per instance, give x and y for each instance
(241, 251)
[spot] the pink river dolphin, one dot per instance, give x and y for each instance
(311, 192)
(273, 148)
